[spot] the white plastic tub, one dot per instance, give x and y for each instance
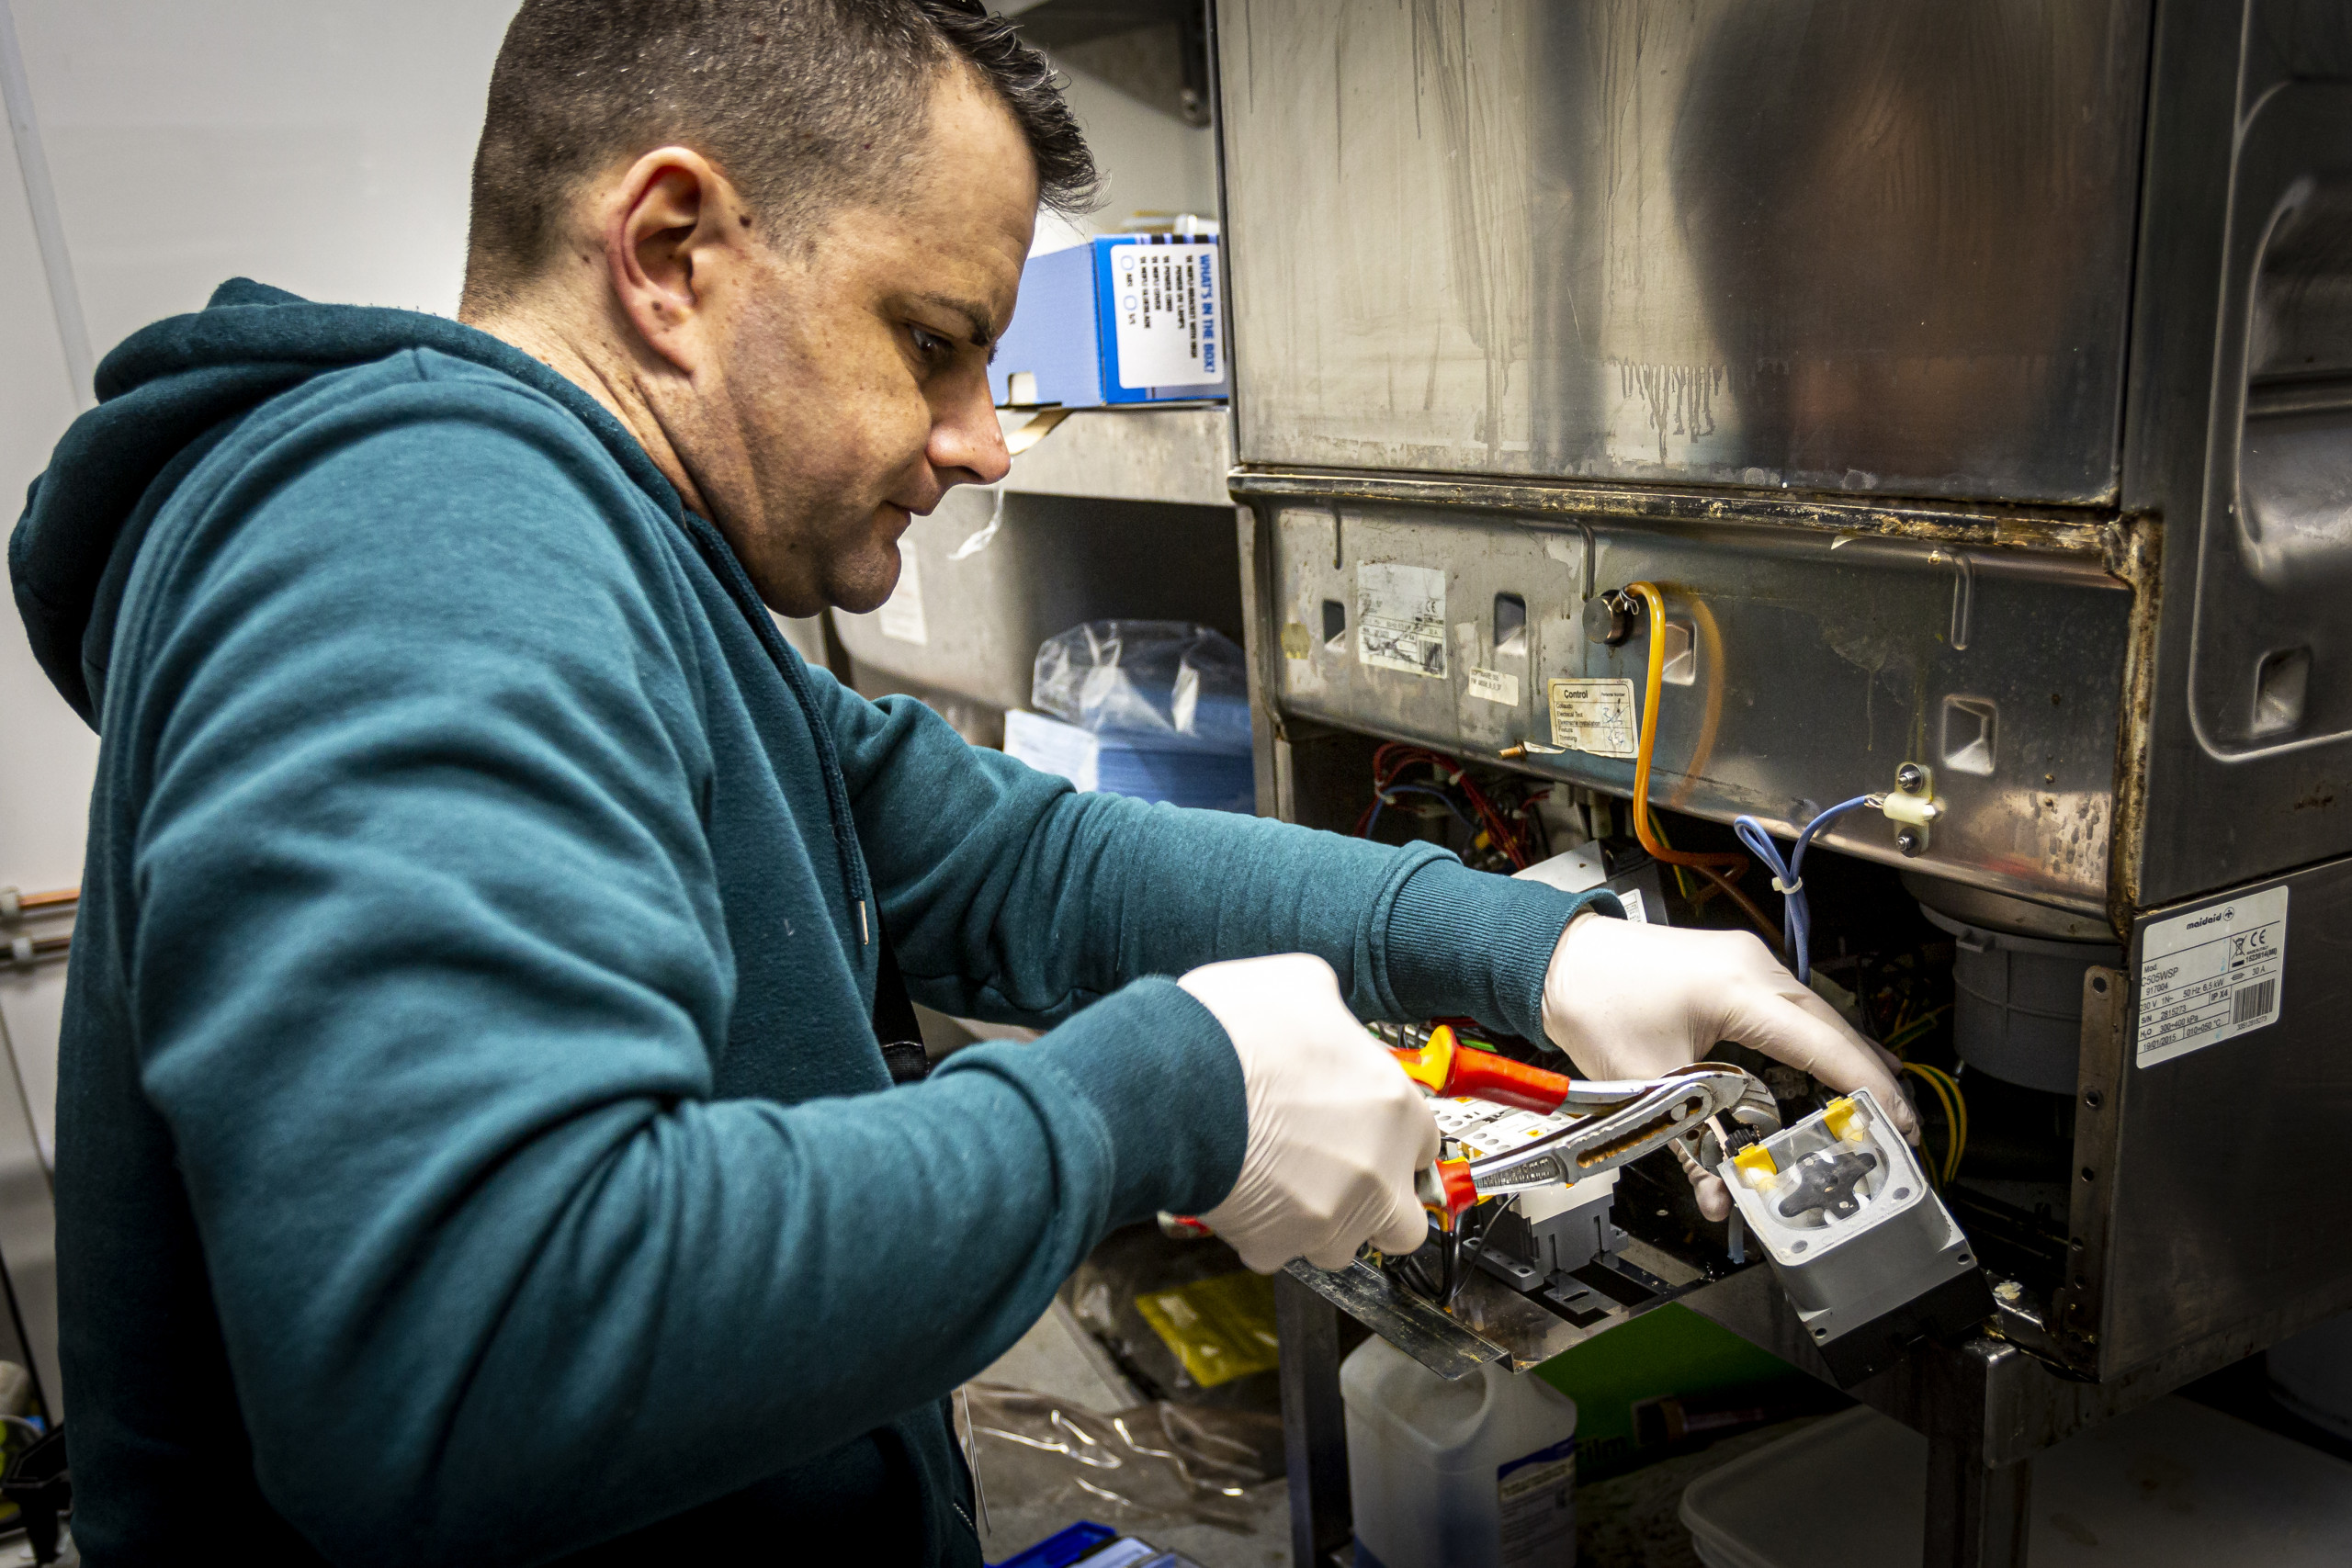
(2172, 1486)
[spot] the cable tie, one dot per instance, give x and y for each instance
(1788, 888)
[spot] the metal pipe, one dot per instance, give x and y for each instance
(15, 905)
(23, 952)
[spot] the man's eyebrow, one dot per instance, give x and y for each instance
(975, 317)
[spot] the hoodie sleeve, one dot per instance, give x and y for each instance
(1013, 896)
(427, 980)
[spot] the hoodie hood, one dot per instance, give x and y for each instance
(166, 396)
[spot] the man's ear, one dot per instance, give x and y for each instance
(673, 235)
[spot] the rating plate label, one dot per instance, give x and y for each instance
(2212, 975)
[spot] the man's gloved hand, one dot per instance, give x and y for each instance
(1629, 1000)
(1335, 1131)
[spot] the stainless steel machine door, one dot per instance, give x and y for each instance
(1849, 245)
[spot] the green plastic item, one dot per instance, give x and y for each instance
(1672, 1352)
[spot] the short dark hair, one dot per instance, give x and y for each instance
(807, 105)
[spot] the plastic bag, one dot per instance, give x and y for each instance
(1037, 1454)
(1168, 684)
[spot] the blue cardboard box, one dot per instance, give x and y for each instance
(1124, 318)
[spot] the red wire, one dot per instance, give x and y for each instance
(1394, 757)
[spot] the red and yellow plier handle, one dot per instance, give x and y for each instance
(1447, 1070)
(1617, 1121)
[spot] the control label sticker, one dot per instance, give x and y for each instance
(1593, 715)
(1400, 618)
(1496, 686)
(2212, 975)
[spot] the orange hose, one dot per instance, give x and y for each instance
(1720, 869)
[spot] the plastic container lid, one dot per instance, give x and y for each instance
(2171, 1484)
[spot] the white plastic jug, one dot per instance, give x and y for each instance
(1476, 1474)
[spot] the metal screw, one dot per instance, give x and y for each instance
(1909, 777)
(1907, 841)
(2092, 1097)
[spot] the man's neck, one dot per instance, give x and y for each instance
(600, 372)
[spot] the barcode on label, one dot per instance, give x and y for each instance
(2253, 1001)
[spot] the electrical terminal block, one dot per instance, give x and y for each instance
(1868, 1254)
(1912, 807)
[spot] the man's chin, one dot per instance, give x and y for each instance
(867, 583)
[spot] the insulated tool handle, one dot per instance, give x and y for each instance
(1445, 1188)
(1447, 1070)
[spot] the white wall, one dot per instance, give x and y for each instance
(46, 753)
(322, 145)
(1153, 162)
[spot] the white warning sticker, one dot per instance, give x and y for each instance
(1166, 315)
(2210, 975)
(1484, 1128)
(1595, 716)
(1496, 686)
(1400, 618)
(1635, 908)
(1537, 1494)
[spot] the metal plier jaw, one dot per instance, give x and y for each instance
(1618, 1121)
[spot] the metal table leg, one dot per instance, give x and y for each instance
(1314, 1433)
(1978, 1512)
(1976, 1518)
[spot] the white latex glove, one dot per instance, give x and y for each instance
(1336, 1131)
(1629, 1000)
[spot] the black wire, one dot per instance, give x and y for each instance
(1453, 1286)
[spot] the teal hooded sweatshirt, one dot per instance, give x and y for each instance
(472, 1141)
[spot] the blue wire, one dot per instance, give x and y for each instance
(1790, 873)
(1384, 796)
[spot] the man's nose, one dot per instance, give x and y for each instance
(966, 436)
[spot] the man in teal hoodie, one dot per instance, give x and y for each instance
(474, 1144)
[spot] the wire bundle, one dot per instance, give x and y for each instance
(1906, 1034)
(1788, 878)
(1507, 829)
(1946, 1088)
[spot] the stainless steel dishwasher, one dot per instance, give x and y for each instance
(1977, 383)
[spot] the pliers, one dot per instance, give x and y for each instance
(1617, 1121)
